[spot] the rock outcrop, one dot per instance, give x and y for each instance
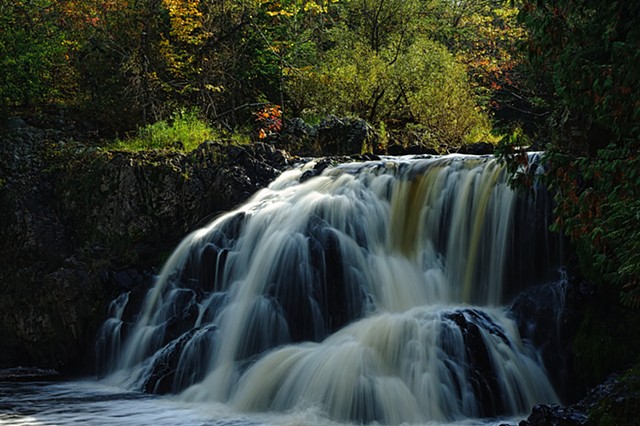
(613, 402)
(332, 136)
(79, 225)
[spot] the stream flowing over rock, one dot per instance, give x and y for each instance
(374, 291)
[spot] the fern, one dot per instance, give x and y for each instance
(630, 295)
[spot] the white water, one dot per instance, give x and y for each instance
(92, 403)
(370, 293)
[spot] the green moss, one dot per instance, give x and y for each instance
(621, 406)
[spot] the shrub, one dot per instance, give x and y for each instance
(420, 84)
(183, 132)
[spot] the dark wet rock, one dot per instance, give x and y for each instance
(20, 374)
(186, 314)
(332, 136)
(365, 157)
(299, 128)
(48, 318)
(123, 279)
(544, 320)
(415, 147)
(479, 148)
(79, 225)
(615, 402)
(482, 375)
(340, 296)
(161, 377)
(162, 373)
(410, 149)
(343, 136)
(353, 136)
(16, 123)
(554, 415)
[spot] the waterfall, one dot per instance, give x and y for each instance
(375, 291)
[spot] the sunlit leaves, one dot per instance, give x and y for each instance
(289, 8)
(186, 20)
(419, 85)
(269, 119)
(138, 61)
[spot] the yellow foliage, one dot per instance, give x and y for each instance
(186, 20)
(295, 7)
(281, 12)
(214, 89)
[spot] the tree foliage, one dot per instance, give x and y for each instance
(32, 53)
(127, 63)
(589, 52)
(420, 85)
(380, 66)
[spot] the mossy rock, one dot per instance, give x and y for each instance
(621, 406)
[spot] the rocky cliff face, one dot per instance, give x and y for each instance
(79, 225)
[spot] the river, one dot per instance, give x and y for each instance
(90, 402)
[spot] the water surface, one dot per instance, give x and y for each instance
(89, 402)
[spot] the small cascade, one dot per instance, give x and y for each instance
(108, 342)
(374, 292)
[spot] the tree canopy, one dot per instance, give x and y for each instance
(123, 64)
(587, 55)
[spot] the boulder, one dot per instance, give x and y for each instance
(332, 136)
(478, 148)
(554, 415)
(615, 401)
(544, 321)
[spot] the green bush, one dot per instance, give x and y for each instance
(420, 84)
(438, 94)
(183, 132)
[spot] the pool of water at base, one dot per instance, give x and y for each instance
(90, 402)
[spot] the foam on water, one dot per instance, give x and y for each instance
(93, 403)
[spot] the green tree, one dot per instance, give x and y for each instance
(411, 81)
(439, 96)
(115, 51)
(589, 53)
(486, 37)
(383, 22)
(32, 54)
(210, 53)
(288, 36)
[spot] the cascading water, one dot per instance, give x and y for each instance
(372, 292)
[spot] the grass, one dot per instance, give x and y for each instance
(185, 131)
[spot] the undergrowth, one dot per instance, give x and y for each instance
(185, 131)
